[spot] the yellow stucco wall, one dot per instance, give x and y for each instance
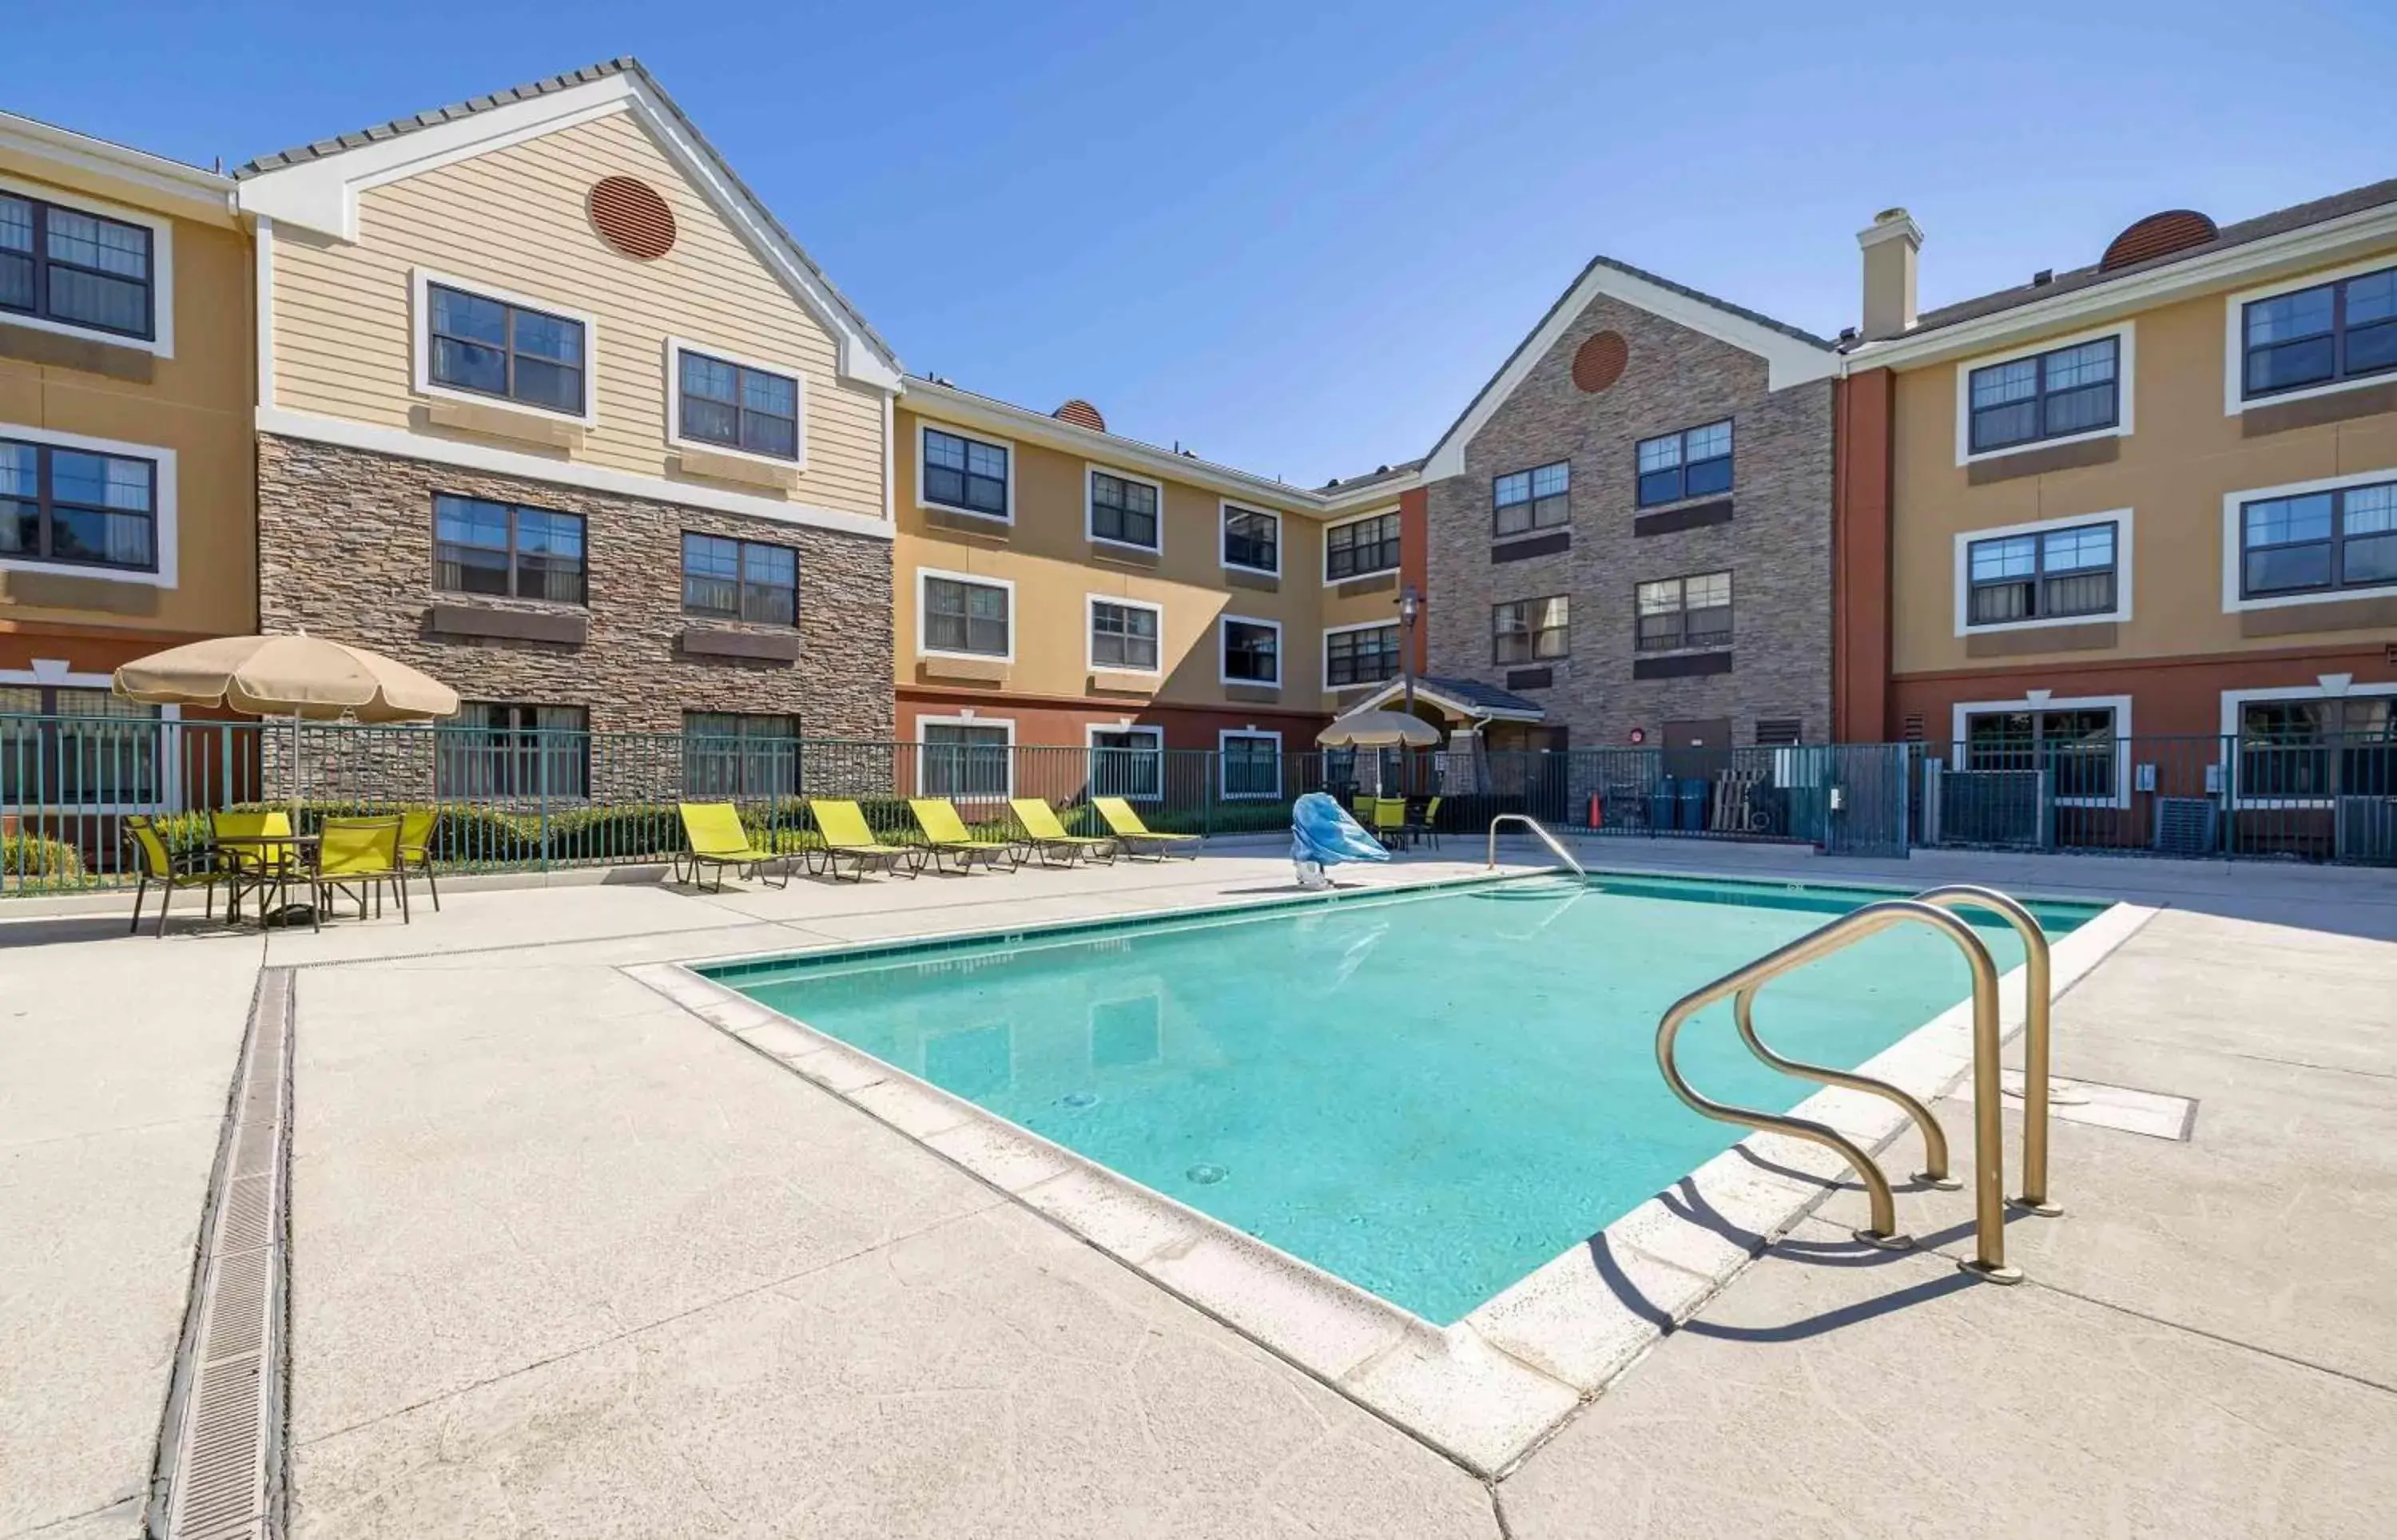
(196, 403)
(2184, 454)
(516, 220)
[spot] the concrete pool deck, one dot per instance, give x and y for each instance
(567, 1261)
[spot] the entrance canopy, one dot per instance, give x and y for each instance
(1459, 702)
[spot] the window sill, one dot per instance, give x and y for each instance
(762, 645)
(2372, 609)
(781, 475)
(1673, 520)
(556, 624)
(1122, 681)
(983, 670)
(62, 347)
(2044, 457)
(1522, 548)
(65, 585)
(2341, 403)
(1120, 550)
(509, 422)
(2090, 634)
(1681, 665)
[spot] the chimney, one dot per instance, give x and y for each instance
(1890, 246)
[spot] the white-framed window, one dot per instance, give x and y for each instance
(1125, 635)
(1365, 653)
(1361, 548)
(2082, 743)
(68, 740)
(93, 507)
(1251, 539)
(967, 758)
(1250, 763)
(2317, 335)
(2062, 390)
(2313, 542)
(84, 267)
(1695, 462)
(1127, 762)
(2304, 746)
(958, 614)
(480, 344)
(2051, 572)
(1119, 508)
(1249, 651)
(965, 472)
(723, 404)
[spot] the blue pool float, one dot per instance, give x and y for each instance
(1322, 835)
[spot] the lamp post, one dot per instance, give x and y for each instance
(1410, 606)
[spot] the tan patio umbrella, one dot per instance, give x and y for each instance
(303, 677)
(1379, 730)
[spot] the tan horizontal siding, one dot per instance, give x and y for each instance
(516, 220)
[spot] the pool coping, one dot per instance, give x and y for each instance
(1489, 1389)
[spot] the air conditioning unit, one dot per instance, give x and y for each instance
(2188, 826)
(2009, 808)
(2368, 831)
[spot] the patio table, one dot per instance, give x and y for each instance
(301, 843)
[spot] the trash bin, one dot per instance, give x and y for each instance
(1693, 803)
(1660, 808)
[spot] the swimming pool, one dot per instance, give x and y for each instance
(1428, 1094)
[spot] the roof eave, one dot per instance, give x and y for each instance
(167, 180)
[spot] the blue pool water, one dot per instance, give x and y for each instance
(1429, 1095)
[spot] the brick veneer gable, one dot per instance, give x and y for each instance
(345, 549)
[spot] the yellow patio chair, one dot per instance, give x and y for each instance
(848, 837)
(719, 840)
(155, 863)
(360, 855)
(1429, 830)
(260, 867)
(416, 825)
(1136, 837)
(1389, 824)
(945, 834)
(1048, 837)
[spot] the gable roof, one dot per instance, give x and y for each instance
(1793, 356)
(1464, 696)
(314, 185)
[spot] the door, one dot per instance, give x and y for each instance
(1697, 747)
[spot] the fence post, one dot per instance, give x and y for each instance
(540, 783)
(1209, 765)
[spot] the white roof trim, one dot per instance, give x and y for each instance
(1788, 360)
(155, 174)
(1397, 688)
(322, 194)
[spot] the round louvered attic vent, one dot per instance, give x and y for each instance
(2157, 235)
(632, 216)
(1081, 414)
(1599, 363)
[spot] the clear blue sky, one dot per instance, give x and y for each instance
(1299, 237)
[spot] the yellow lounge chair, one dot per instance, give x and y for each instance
(1134, 836)
(848, 838)
(360, 854)
(718, 840)
(1048, 837)
(945, 834)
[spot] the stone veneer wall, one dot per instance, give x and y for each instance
(1777, 544)
(345, 549)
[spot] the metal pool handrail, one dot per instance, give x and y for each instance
(1988, 1133)
(1545, 837)
(2037, 972)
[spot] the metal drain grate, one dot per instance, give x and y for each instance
(218, 1472)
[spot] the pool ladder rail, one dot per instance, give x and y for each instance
(1933, 907)
(1540, 833)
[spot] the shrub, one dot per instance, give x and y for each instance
(29, 861)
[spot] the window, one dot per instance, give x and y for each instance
(2077, 745)
(1251, 763)
(962, 615)
(1251, 539)
(79, 270)
(1685, 611)
(1360, 654)
(91, 749)
(2054, 394)
(1525, 500)
(736, 754)
(1529, 630)
(739, 580)
(966, 474)
(1693, 463)
(2318, 747)
(1779, 732)
(737, 407)
(966, 760)
(2319, 541)
(1123, 512)
(77, 508)
(502, 550)
(1252, 652)
(491, 347)
(1361, 548)
(1123, 635)
(2043, 577)
(2346, 330)
(493, 748)
(1128, 762)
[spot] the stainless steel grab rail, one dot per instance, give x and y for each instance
(1934, 1138)
(1545, 837)
(1988, 1131)
(2037, 973)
